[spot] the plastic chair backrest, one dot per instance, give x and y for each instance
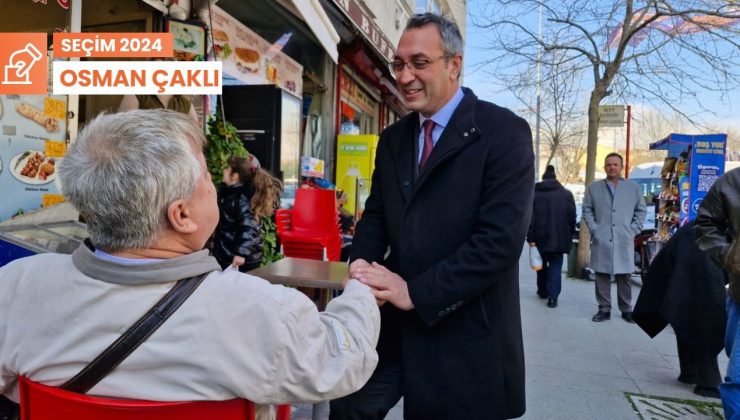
(41, 402)
(315, 210)
(283, 220)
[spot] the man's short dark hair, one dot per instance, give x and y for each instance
(452, 42)
(614, 154)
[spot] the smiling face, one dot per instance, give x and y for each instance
(427, 90)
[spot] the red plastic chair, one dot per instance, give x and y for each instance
(41, 402)
(311, 228)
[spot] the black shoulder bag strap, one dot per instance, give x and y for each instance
(133, 337)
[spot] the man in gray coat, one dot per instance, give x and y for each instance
(614, 211)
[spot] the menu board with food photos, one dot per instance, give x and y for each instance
(32, 143)
(249, 58)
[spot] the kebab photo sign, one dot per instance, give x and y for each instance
(251, 59)
(34, 120)
(32, 144)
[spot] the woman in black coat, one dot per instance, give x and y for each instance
(551, 230)
(685, 288)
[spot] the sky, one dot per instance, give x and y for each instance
(478, 79)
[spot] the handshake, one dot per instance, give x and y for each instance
(386, 285)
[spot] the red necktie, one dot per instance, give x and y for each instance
(428, 143)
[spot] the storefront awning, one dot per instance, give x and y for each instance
(320, 25)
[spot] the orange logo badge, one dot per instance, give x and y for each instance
(23, 64)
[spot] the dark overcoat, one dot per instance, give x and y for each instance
(685, 288)
(454, 233)
(553, 217)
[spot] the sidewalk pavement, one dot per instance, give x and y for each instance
(580, 369)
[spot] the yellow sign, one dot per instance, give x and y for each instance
(55, 108)
(51, 199)
(355, 165)
(55, 149)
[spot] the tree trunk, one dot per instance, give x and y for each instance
(584, 237)
(553, 150)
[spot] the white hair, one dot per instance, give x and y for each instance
(125, 169)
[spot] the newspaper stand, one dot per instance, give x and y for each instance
(693, 163)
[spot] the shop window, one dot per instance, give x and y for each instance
(423, 6)
(389, 116)
(435, 7)
(359, 110)
(350, 121)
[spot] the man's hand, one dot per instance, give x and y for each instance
(386, 285)
(355, 265)
(353, 273)
(238, 261)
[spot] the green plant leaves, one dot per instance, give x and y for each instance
(270, 251)
(223, 142)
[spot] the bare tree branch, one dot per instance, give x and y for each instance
(668, 52)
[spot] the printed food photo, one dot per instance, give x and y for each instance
(33, 167)
(34, 114)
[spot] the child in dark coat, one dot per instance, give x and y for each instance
(248, 193)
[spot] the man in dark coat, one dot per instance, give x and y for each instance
(440, 240)
(686, 289)
(551, 230)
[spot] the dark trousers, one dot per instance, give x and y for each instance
(604, 292)
(549, 279)
(373, 401)
(697, 364)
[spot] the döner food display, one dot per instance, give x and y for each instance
(32, 144)
(250, 59)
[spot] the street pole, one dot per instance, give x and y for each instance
(627, 154)
(539, 99)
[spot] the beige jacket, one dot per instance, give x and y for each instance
(236, 336)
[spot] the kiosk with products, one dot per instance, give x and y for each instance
(694, 162)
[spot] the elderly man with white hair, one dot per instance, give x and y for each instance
(139, 178)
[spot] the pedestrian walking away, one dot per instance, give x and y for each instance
(551, 231)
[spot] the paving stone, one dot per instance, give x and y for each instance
(578, 369)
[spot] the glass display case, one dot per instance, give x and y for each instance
(24, 240)
(74, 230)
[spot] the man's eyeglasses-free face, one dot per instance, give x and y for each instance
(417, 63)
